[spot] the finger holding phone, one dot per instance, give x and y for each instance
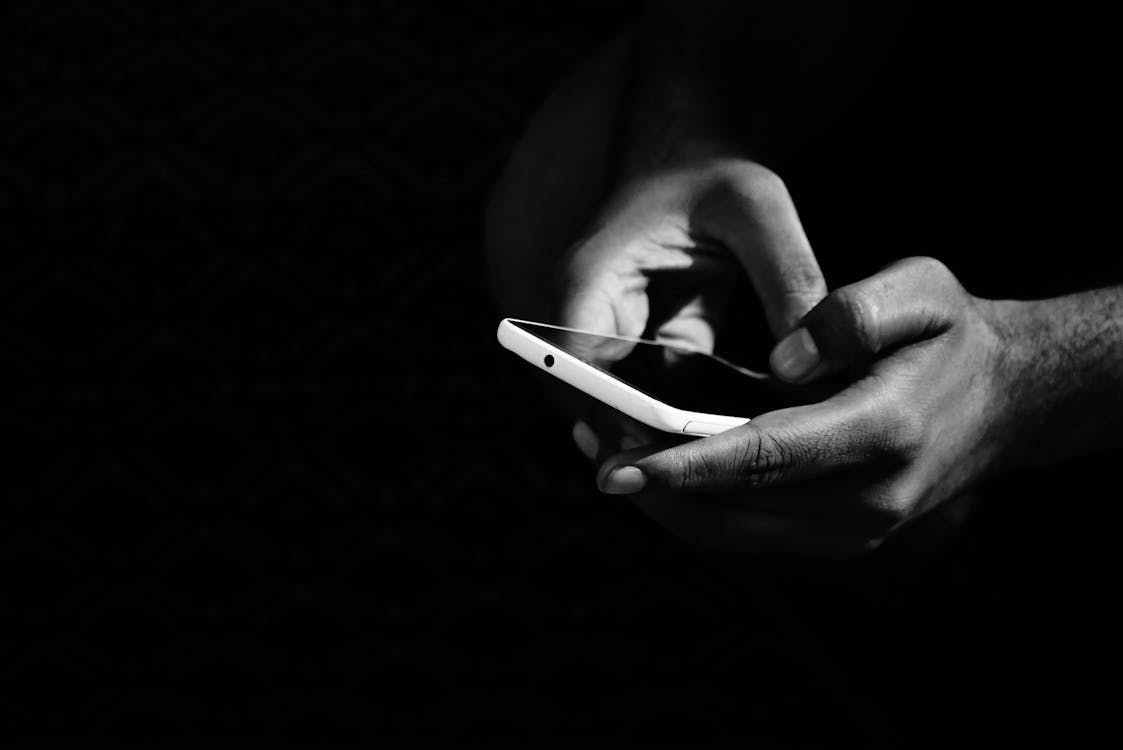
(662, 259)
(942, 388)
(945, 389)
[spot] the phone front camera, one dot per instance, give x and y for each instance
(549, 360)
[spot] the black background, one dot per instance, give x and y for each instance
(267, 477)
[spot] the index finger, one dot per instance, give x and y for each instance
(754, 216)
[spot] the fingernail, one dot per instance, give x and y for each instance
(796, 356)
(586, 440)
(624, 481)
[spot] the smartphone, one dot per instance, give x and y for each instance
(670, 388)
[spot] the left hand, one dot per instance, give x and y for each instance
(924, 415)
(661, 260)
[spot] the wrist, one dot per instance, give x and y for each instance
(1060, 369)
(1019, 407)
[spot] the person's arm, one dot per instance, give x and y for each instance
(945, 390)
(693, 84)
(1064, 367)
(720, 77)
(675, 106)
(716, 90)
(680, 195)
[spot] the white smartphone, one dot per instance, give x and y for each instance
(698, 394)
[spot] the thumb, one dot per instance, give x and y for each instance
(781, 447)
(912, 299)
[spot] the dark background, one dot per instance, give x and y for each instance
(268, 478)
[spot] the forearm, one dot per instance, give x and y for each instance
(675, 107)
(1064, 362)
(715, 78)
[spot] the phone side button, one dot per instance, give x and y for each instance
(705, 428)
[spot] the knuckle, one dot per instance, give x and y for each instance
(929, 266)
(847, 320)
(860, 311)
(806, 288)
(777, 457)
(763, 460)
(755, 181)
(895, 424)
(803, 283)
(904, 428)
(934, 271)
(694, 469)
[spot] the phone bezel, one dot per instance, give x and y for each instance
(607, 388)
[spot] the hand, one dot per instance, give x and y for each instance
(664, 254)
(690, 226)
(925, 414)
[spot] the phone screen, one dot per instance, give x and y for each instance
(677, 376)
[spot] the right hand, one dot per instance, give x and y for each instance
(661, 258)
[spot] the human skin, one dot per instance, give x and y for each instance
(688, 206)
(944, 389)
(940, 389)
